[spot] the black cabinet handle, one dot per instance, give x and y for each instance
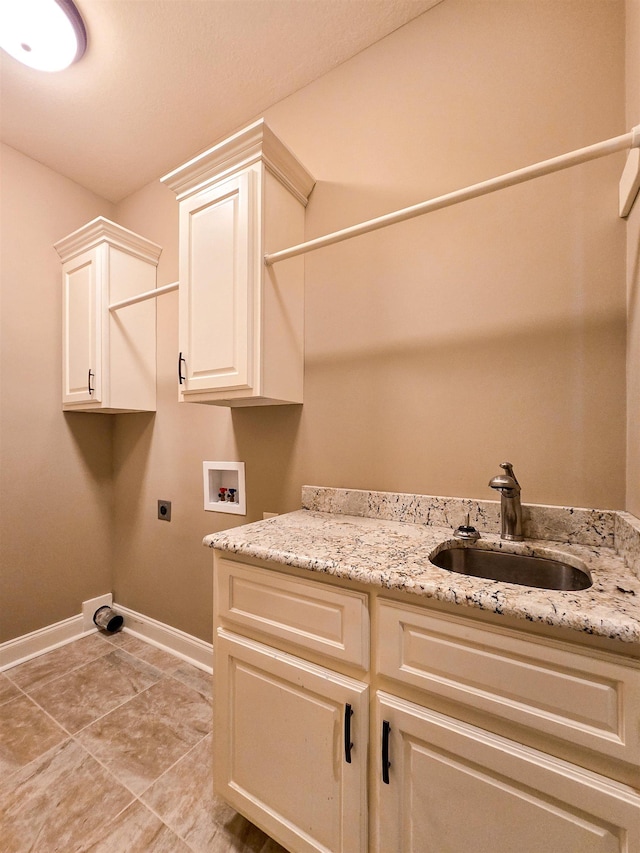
(386, 764)
(348, 712)
(89, 388)
(181, 378)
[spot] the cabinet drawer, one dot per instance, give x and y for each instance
(312, 615)
(589, 699)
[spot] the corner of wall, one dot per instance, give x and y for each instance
(632, 93)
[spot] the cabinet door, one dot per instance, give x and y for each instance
(81, 367)
(453, 788)
(216, 287)
(281, 755)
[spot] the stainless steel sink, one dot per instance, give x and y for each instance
(541, 572)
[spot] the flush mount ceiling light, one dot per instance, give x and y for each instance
(48, 35)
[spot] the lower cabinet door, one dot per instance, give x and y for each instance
(454, 788)
(291, 746)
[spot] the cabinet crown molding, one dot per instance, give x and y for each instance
(254, 143)
(101, 230)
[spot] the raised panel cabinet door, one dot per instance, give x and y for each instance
(81, 367)
(216, 287)
(454, 788)
(291, 746)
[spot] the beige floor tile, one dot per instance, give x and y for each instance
(8, 690)
(145, 736)
(145, 651)
(58, 802)
(52, 665)
(58, 797)
(25, 733)
(185, 801)
(196, 678)
(87, 693)
(136, 830)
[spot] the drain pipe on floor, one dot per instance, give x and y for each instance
(107, 619)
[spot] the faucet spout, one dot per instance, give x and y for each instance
(510, 506)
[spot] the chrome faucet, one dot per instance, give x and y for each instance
(510, 507)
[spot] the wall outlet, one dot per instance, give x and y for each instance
(90, 606)
(164, 510)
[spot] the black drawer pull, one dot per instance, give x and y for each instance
(181, 359)
(386, 764)
(89, 388)
(348, 712)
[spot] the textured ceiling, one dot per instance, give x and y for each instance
(164, 79)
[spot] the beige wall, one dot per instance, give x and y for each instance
(633, 270)
(437, 348)
(55, 469)
(434, 349)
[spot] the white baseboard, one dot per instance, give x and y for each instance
(172, 640)
(163, 636)
(44, 640)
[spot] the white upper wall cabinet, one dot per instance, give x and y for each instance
(108, 357)
(241, 323)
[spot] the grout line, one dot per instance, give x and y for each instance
(101, 716)
(175, 763)
(9, 777)
(46, 713)
(164, 773)
(95, 758)
(122, 704)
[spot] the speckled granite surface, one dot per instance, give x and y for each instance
(384, 539)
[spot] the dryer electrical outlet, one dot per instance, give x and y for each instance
(164, 510)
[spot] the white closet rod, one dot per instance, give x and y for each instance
(148, 294)
(564, 161)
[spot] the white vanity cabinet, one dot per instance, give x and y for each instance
(241, 323)
(481, 737)
(290, 733)
(108, 357)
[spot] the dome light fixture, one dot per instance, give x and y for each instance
(48, 35)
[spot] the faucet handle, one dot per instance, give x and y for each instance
(508, 468)
(506, 482)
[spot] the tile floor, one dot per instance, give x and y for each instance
(105, 745)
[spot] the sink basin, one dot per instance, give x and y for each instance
(541, 572)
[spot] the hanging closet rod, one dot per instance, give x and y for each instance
(148, 294)
(546, 167)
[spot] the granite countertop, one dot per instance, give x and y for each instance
(394, 554)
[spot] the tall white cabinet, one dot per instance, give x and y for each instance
(241, 323)
(108, 357)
